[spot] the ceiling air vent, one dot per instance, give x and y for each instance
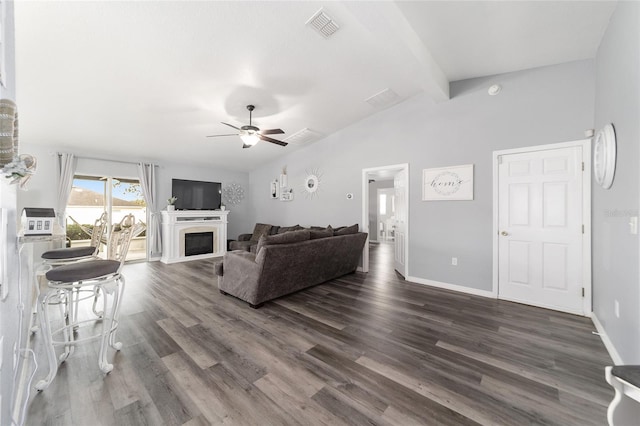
(322, 23)
(303, 137)
(383, 99)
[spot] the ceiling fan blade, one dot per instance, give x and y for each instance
(277, 142)
(230, 125)
(217, 136)
(272, 132)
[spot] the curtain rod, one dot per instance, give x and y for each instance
(107, 159)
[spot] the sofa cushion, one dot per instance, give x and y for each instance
(286, 238)
(261, 229)
(321, 233)
(346, 230)
(241, 245)
(284, 229)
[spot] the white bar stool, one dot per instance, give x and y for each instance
(624, 410)
(69, 255)
(68, 285)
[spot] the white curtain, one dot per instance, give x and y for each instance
(147, 175)
(66, 170)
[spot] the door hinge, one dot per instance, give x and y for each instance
(583, 166)
(582, 291)
(583, 229)
(499, 159)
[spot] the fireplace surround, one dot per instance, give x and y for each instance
(193, 234)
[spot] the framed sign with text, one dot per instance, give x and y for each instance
(448, 183)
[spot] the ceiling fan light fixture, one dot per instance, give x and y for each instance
(250, 137)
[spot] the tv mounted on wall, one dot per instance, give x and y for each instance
(196, 195)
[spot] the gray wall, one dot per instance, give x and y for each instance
(373, 205)
(539, 106)
(615, 251)
(42, 187)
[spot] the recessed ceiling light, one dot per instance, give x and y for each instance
(494, 89)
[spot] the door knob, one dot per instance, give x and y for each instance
(504, 233)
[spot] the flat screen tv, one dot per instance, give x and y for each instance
(196, 195)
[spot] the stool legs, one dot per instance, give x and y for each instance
(68, 300)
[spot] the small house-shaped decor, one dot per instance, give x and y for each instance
(38, 221)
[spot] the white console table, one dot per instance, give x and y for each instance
(177, 225)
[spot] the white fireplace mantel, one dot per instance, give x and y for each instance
(175, 224)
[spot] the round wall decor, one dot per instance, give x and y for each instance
(311, 183)
(604, 156)
(232, 193)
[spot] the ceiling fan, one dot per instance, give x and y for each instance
(250, 134)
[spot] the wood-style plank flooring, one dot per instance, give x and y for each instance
(362, 349)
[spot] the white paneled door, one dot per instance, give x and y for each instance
(401, 213)
(540, 227)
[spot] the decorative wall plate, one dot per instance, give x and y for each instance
(232, 194)
(604, 156)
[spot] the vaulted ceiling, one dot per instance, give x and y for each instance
(149, 80)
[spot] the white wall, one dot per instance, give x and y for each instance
(615, 250)
(539, 106)
(10, 308)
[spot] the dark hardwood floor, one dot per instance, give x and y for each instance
(362, 349)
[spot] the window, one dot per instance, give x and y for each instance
(382, 202)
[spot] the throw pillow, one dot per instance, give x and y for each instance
(260, 230)
(286, 238)
(346, 230)
(315, 234)
(284, 229)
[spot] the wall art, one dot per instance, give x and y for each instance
(448, 183)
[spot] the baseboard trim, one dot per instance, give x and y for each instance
(454, 287)
(613, 353)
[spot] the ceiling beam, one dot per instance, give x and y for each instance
(388, 24)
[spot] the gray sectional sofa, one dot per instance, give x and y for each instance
(288, 262)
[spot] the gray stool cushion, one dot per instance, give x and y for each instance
(68, 253)
(83, 271)
(628, 373)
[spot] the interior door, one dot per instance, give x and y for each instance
(540, 228)
(401, 214)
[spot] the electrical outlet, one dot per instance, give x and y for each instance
(454, 261)
(616, 308)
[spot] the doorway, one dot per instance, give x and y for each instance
(385, 210)
(541, 226)
(92, 195)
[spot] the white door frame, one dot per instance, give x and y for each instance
(365, 213)
(586, 212)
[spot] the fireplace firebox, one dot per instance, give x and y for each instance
(198, 243)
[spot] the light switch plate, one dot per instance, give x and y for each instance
(633, 225)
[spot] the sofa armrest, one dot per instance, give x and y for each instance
(241, 276)
(244, 237)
